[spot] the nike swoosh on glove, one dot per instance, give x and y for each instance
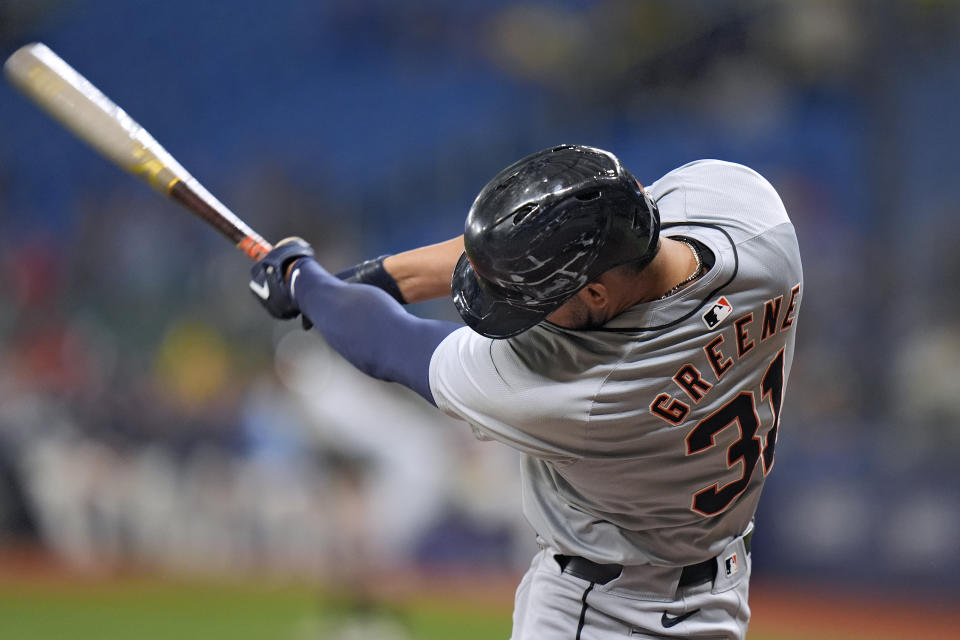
(267, 277)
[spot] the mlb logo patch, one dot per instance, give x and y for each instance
(717, 312)
(730, 564)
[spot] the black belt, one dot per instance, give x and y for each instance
(590, 571)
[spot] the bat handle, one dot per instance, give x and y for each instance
(194, 197)
(254, 247)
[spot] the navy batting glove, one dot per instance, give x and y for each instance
(267, 277)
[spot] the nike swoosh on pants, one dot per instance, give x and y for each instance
(669, 621)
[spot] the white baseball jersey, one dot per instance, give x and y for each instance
(648, 441)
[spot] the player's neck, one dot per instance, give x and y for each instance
(673, 264)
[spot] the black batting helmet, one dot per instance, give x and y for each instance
(542, 229)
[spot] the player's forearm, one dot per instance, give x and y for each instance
(424, 273)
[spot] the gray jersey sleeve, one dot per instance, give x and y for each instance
(488, 384)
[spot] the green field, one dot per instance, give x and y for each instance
(155, 609)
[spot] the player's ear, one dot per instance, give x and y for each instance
(595, 295)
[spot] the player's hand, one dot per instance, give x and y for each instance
(268, 277)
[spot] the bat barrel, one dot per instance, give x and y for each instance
(79, 106)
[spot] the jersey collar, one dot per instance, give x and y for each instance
(663, 314)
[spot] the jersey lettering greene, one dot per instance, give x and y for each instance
(650, 444)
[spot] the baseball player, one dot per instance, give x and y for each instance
(633, 343)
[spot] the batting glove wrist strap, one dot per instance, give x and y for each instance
(372, 272)
(267, 280)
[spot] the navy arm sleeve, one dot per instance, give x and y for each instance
(368, 327)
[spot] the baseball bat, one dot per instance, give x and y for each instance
(74, 102)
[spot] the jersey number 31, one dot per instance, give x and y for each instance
(747, 450)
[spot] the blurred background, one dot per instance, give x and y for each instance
(155, 422)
